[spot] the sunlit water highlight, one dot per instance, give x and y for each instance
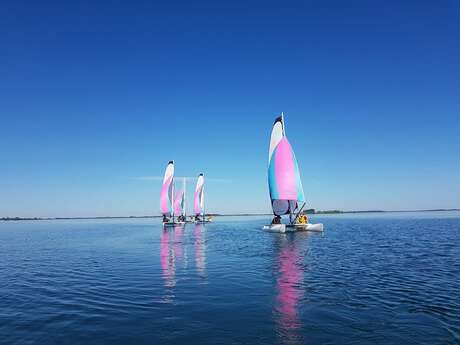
(369, 279)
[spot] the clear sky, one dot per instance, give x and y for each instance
(97, 95)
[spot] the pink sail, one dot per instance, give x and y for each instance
(179, 203)
(167, 190)
(198, 200)
(283, 172)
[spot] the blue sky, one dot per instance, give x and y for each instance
(95, 94)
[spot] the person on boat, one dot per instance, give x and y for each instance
(165, 219)
(302, 219)
(197, 219)
(276, 220)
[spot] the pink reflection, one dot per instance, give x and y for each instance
(200, 254)
(290, 288)
(178, 241)
(289, 293)
(167, 259)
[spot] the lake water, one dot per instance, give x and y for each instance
(369, 279)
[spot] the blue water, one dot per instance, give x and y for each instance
(369, 279)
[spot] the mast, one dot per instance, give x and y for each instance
(202, 197)
(284, 134)
(185, 201)
(282, 122)
(172, 201)
(172, 197)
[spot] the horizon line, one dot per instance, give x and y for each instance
(319, 212)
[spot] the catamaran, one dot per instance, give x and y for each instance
(198, 201)
(286, 191)
(166, 195)
(179, 206)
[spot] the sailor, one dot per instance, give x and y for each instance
(165, 219)
(302, 219)
(276, 220)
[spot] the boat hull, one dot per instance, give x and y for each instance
(294, 227)
(202, 221)
(172, 224)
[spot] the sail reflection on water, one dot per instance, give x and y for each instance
(173, 252)
(200, 249)
(291, 249)
(167, 258)
(178, 246)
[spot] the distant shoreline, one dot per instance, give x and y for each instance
(228, 215)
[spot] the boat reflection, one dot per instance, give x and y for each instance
(171, 253)
(291, 250)
(167, 258)
(200, 249)
(178, 246)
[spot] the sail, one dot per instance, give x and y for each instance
(166, 195)
(179, 203)
(198, 201)
(283, 172)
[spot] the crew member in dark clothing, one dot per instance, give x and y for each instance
(276, 220)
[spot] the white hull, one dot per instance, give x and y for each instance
(294, 227)
(202, 221)
(168, 224)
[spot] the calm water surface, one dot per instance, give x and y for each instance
(369, 279)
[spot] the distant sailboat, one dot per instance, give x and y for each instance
(179, 205)
(166, 195)
(198, 201)
(286, 191)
